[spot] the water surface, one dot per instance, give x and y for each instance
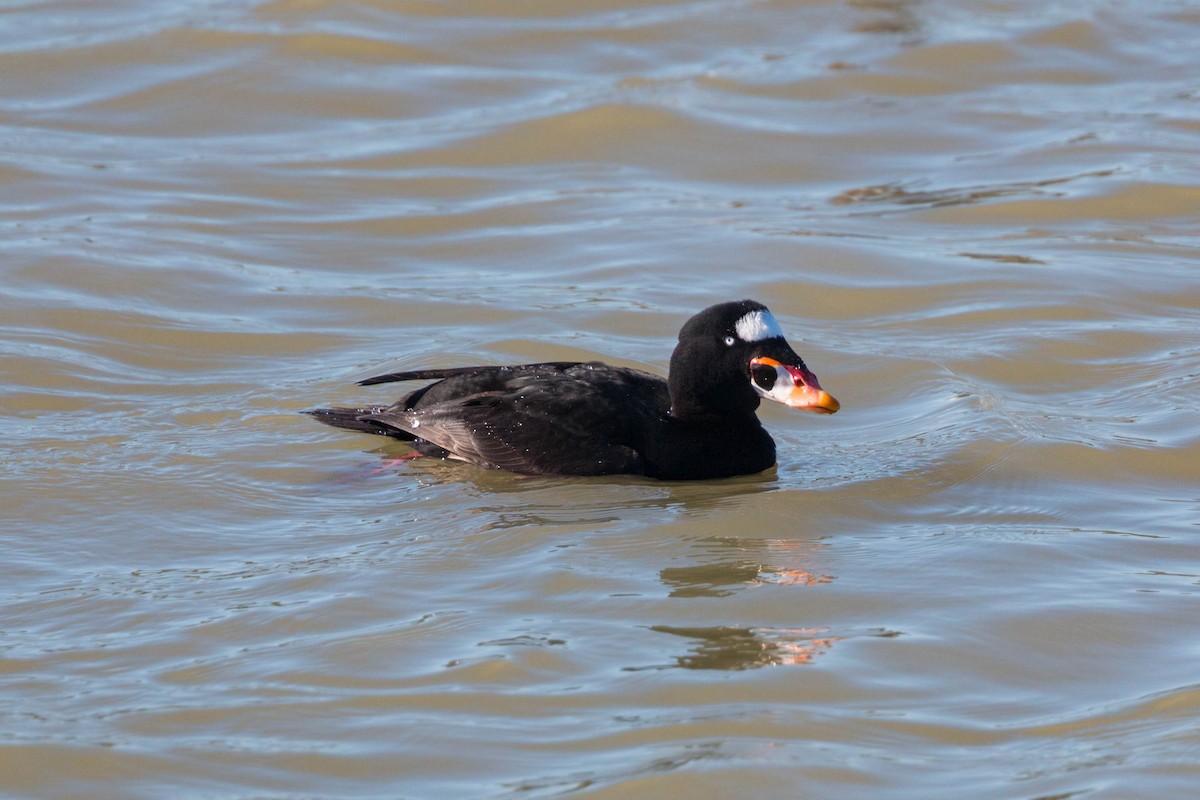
(976, 222)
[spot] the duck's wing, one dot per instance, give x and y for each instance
(453, 384)
(571, 425)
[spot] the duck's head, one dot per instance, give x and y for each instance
(732, 354)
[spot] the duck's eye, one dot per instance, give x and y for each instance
(730, 341)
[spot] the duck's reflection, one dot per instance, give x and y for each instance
(735, 648)
(723, 579)
(788, 562)
(754, 562)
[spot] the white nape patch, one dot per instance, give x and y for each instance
(758, 325)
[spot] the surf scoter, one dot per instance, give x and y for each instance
(589, 418)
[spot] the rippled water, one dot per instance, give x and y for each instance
(977, 222)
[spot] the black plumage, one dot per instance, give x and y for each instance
(590, 418)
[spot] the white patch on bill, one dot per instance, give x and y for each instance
(758, 325)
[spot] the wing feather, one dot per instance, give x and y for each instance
(561, 426)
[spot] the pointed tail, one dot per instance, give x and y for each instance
(357, 419)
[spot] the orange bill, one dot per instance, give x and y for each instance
(793, 386)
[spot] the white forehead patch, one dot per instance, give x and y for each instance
(758, 325)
